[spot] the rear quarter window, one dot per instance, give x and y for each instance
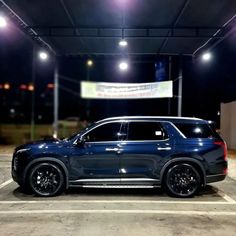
(146, 131)
(196, 130)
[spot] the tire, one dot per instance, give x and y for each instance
(182, 180)
(46, 180)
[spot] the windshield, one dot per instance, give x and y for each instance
(80, 133)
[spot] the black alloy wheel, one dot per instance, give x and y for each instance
(182, 180)
(46, 180)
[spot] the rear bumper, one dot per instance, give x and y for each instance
(215, 178)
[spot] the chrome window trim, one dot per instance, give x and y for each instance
(101, 142)
(145, 141)
(128, 141)
(123, 121)
(178, 130)
(150, 117)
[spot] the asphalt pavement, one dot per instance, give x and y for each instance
(117, 211)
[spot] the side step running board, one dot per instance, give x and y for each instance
(117, 186)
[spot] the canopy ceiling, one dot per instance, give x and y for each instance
(87, 27)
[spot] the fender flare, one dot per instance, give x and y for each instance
(183, 159)
(51, 160)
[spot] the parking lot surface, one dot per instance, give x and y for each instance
(116, 211)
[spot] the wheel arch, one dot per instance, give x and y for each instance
(52, 160)
(197, 164)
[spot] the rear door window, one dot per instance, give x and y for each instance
(196, 130)
(138, 131)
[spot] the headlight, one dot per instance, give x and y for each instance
(22, 150)
(18, 154)
(15, 163)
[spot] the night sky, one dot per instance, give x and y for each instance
(205, 86)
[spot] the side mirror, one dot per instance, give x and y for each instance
(80, 142)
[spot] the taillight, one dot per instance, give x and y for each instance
(222, 144)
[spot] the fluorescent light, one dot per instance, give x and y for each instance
(43, 56)
(3, 22)
(123, 66)
(123, 43)
(206, 56)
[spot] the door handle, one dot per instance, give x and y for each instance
(164, 148)
(112, 149)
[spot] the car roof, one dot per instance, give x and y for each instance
(173, 119)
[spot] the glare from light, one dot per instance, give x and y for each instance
(6, 86)
(89, 63)
(123, 66)
(31, 87)
(122, 2)
(206, 56)
(43, 56)
(3, 22)
(197, 130)
(123, 43)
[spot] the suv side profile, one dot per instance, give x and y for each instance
(180, 154)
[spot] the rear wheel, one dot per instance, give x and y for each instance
(182, 180)
(46, 180)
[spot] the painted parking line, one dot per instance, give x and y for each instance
(222, 194)
(5, 155)
(117, 201)
(6, 183)
(98, 211)
(225, 196)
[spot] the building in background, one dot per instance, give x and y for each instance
(228, 123)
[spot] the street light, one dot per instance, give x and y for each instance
(3, 22)
(123, 66)
(123, 43)
(43, 56)
(89, 67)
(207, 56)
(89, 63)
(6, 86)
(31, 87)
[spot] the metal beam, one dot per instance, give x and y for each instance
(227, 32)
(128, 32)
(72, 21)
(175, 22)
(24, 27)
(131, 54)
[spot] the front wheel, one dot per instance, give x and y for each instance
(46, 180)
(182, 180)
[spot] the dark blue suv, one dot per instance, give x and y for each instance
(180, 154)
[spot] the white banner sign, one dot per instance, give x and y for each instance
(96, 90)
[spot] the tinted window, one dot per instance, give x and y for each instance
(196, 130)
(145, 131)
(106, 132)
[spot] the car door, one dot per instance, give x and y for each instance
(146, 146)
(98, 157)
